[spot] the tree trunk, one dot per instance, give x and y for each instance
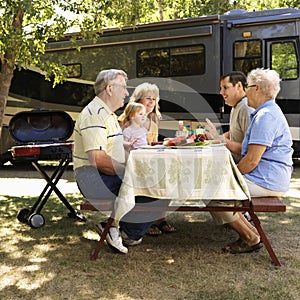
(6, 76)
(7, 68)
(5, 81)
(160, 11)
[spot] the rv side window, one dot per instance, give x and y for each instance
(153, 63)
(284, 59)
(170, 62)
(247, 55)
(33, 85)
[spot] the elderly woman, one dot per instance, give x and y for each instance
(266, 155)
(148, 95)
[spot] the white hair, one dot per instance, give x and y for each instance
(268, 80)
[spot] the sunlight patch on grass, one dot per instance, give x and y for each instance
(4, 231)
(37, 259)
(43, 248)
(91, 235)
(27, 284)
(170, 261)
(20, 277)
(4, 269)
(31, 268)
(285, 222)
(293, 193)
(32, 187)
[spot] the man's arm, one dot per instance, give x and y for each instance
(105, 163)
(252, 158)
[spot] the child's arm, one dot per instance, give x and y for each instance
(127, 143)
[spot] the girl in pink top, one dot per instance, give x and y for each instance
(134, 132)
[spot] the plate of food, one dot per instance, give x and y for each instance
(191, 142)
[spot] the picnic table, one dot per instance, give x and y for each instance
(185, 179)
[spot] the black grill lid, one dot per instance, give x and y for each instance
(41, 126)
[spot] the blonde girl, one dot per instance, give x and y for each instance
(132, 123)
(148, 95)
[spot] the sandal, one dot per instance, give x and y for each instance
(241, 247)
(165, 227)
(227, 248)
(154, 230)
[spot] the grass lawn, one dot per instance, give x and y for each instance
(52, 262)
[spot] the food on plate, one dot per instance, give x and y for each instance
(180, 140)
(192, 140)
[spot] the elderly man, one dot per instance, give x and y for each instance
(99, 156)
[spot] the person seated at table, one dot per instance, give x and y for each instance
(232, 89)
(99, 156)
(266, 162)
(134, 133)
(148, 94)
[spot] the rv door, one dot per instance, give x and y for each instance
(282, 55)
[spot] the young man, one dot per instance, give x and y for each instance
(232, 88)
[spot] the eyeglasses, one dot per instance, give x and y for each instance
(249, 86)
(124, 86)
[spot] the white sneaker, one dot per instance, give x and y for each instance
(113, 237)
(129, 242)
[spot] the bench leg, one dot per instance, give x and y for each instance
(264, 239)
(102, 238)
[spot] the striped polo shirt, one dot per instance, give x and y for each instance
(97, 127)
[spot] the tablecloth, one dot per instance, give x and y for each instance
(185, 176)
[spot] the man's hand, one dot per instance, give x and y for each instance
(213, 132)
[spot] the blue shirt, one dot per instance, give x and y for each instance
(268, 126)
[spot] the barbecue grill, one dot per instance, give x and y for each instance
(42, 135)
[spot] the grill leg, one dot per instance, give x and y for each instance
(51, 186)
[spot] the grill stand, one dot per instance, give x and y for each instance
(33, 216)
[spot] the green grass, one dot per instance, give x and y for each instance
(52, 262)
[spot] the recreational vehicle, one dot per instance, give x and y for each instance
(184, 57)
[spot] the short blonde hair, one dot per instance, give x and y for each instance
(130, 110)
(141, 91)
(268, 80)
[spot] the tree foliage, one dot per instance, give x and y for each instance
(27, 25)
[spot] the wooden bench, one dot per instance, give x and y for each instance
(259, 204)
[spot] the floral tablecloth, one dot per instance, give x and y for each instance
(185, 176)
